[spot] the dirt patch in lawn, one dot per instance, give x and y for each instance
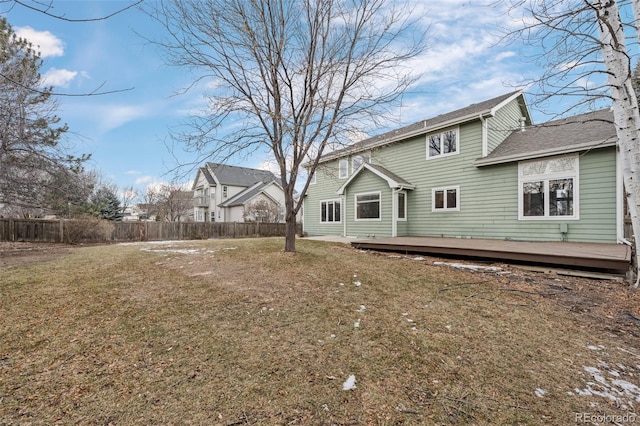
(19, 253)
(233, 332)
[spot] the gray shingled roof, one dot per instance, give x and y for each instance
(245, 195)
(239, 176)
(391, 175)
(572, 134)
(469, 112)
(392, 179)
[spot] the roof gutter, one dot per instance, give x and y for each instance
(482, 162)
(424, 130)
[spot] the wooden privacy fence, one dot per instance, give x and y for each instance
(76, 231)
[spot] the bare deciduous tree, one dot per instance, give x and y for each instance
(265, 211)
(48, 8)
(289, 76)
(173, 203)
(584, 57)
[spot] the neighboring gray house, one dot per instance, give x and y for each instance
(229, 193)
(483, 171)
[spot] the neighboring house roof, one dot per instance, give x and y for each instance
(238, 176)
(578, 133)
(472, 112)
(248, 194)
(207, 176)
(394, 181)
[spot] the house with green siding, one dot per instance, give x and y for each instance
(483, 171)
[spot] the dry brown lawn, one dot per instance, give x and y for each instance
(235, 332)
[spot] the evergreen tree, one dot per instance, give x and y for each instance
(32, 158)
(106, 204)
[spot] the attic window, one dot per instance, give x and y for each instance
(442, 144)
(359, 160)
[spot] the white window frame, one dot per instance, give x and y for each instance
(441, 134)
(553, 168)
(445, 208)
(343, 168)
(312, 181)
(334, 201)
(398, 218)
(355, 207)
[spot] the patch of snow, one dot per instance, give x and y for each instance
(540, 392)
(448, 327)
(179, 251)
(418, 258)
(622, 392)
(595, 348)
(350, 383)
(362, 308)
(470, 267)
(357, 283)
(357, 323)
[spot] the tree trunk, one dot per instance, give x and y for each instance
(289, 217)
(290, 234)
(625, 108)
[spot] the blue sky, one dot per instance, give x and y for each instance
(127, 132)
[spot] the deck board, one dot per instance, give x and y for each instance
(581, 255)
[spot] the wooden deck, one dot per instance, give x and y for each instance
(612, 257)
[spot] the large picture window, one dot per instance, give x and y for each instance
(330, 211)
(445, 199)
(368, 206)
(549, 188)
(441, 144)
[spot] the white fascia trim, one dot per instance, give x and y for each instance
(481, 162)
(392, 183)
(421, 131)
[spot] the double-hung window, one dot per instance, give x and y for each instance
(402, 206)
(368, 206)
(548, 189)
(443, 143)
(445, 199)
(343, 168)
(330, 211)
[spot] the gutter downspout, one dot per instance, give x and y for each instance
(343, 212)
(394, 211)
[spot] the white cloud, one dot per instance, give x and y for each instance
(505, 55)
(146, 180)
(114, 116)
(45, 42)
(60, 78)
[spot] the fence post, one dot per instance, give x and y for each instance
(61, 231)
(12, 230)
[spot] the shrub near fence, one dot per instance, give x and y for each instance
(77, 231)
